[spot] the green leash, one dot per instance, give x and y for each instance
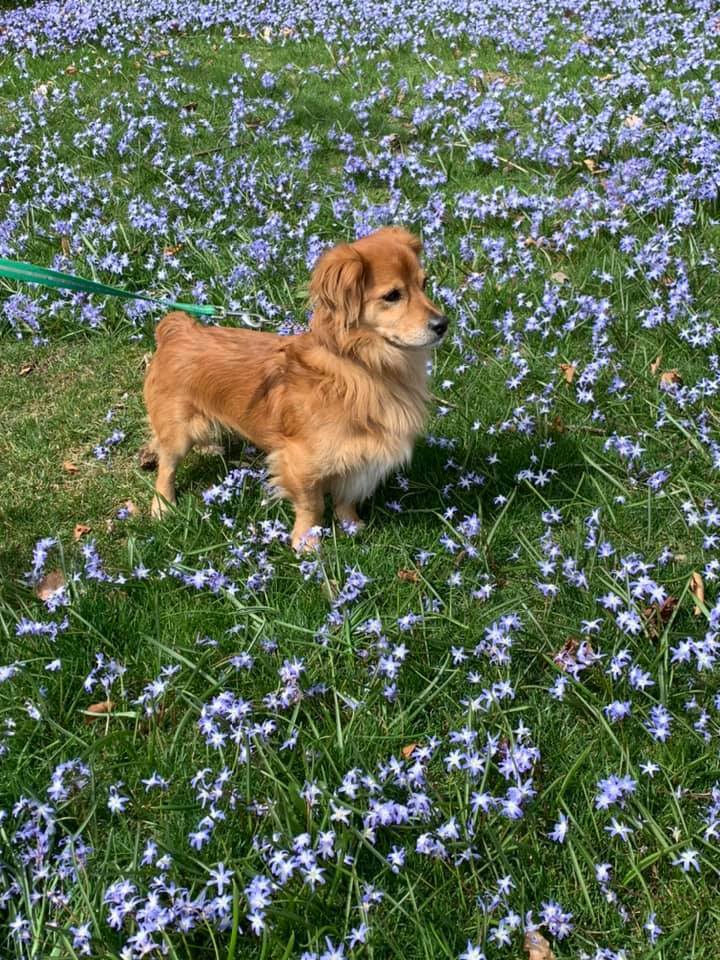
(29, 273)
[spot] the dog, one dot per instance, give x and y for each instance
(336, 409)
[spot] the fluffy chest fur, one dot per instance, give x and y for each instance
(381, 419)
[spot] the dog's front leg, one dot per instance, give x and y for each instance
(308, 504)
(347, 514)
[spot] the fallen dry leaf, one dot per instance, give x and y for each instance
(568, 371)
(65, 245)
(71, 70)
(70, 467)
(160, 54)
(558, 424)
(409, 750)
(537, 946)
(605, 77)
(559, 277)
(171, 251)
(147, 458)
(632, 120)
(564, 656)
(670, 376)
(79, 531)
(697, 588)
(98, 709)
(26, 369)
(131, 508)
(50, 584)
(659, 615)
(590, 164)
(655, 365)
(191, 107)
(409, 576)
(667, 608)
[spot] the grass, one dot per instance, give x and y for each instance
(55, 398)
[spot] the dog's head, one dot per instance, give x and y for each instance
(375, 287)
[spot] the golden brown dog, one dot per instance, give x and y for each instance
(336, 408)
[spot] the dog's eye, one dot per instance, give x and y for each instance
(392, 297)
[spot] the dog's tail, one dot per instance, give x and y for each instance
(171, 324)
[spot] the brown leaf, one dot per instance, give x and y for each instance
(50, 584)
(98, 709)
(409, 576)
(562, 657)
(409, 750)
(70, 467)
(79, 531)
(558, 424)
(26, 368)
(667, 608)
(655, 365)
(171, 251)
(605, 77)
(659, 615)
(147, 458)
(71, 70)
(670, 376)
(65, 245)
(537, 946)
(559, 277)
(160, 54)
(632, 120)
(697, 588)
(568, 371)
(191, 107)
(131, 508)
(590, 164)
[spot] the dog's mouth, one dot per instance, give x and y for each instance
(404, 345)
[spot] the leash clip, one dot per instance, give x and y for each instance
(243, 315)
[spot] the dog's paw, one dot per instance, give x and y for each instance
(349, 520)
(159, 508)
(351, 526)
(307, 542)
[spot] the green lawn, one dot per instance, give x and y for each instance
(221, 156)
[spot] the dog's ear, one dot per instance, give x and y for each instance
(401, 235)
(336, 285)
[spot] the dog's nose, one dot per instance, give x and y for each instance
(438, 325)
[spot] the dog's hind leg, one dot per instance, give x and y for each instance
(171, 447)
